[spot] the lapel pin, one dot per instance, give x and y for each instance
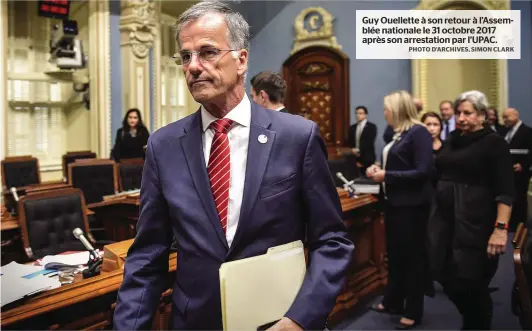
(262, 139)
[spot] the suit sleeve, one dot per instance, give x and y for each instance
(421, 145)
(147, 259)
(351, 136)
(369, 148)
(329, 249)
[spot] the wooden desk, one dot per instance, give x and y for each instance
(85, 304)
(367, 273)
(89, 303)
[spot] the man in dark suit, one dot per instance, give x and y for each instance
(229, 182)
(267, 90)
(361, 138)
(448, 119)
(519, 138)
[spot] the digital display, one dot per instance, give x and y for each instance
(54, 8)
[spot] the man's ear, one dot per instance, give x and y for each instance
(264, 95)
(242, 61)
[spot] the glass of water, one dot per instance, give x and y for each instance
(66, 275)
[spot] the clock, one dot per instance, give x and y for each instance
(313, 21)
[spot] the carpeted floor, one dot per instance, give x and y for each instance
(440, 313)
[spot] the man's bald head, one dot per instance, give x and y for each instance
(419, 104)
(510, 117)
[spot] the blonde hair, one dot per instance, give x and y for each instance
(403, 110)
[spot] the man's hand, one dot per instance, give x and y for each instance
(285, 324)
(497, 242)
(517, 167)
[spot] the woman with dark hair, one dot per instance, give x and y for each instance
(493, 121)
(131, 138)
(467, 229)
(433, 123)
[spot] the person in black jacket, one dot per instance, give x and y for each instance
(268, 89)
(493, 121)
(406, 174)
(433, 122)
(361, 138)
(467, 230)
(131, 138)
(519, 138)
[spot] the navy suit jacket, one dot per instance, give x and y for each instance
(410, 168)
(288, 195)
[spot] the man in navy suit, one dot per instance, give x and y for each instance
(229, 182)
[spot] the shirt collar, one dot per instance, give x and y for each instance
(363, 122)
(516, 126)
(282, 107)
(241, 114)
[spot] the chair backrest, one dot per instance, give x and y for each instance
(344, 166)
(20, 171)
(522, 244)
(95, 177)
(130, 174)
(70, 157)
(47, 220)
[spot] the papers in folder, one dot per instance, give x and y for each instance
(260, 290)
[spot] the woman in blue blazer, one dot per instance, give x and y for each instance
(407, 191)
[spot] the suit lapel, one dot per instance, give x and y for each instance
(260, 144)
(192, 146)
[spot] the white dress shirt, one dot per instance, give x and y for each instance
(358, 133)
(238, 137)
(452, 126)
(509, 136)
(385, 152)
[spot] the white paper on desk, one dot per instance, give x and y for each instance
(14, 269)
(15, 287)
(260, 290)
(71, 259)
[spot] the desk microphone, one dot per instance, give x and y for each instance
(346, 182)
(78, 233)
(95, 262)
(15, 194)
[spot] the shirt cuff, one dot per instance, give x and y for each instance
(504, 199)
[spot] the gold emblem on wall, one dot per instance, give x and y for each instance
(314, 27)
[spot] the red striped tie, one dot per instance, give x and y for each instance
(219, 167)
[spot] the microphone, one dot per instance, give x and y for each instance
(95, 261)
(15, 194)
(346, 182)
(78, 233)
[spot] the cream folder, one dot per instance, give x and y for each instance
(260, 289)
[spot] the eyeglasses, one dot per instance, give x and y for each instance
(205, 55)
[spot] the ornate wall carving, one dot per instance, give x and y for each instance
(138, 29)
(498, 92)
(314, 27)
